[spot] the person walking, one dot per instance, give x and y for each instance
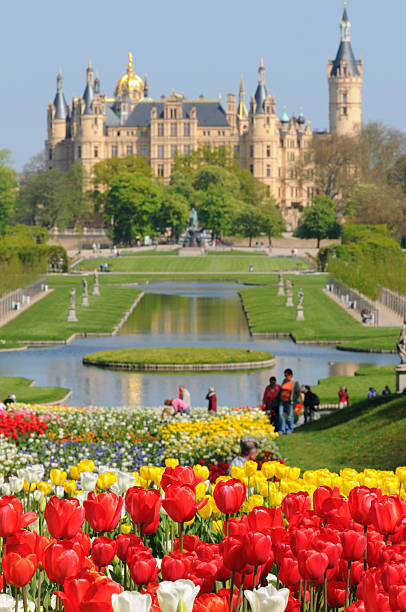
(212, 399)
(270, 402)
(343, 398)
(288, 397)
(309, 403)
(184, 395)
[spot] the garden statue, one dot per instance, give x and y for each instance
(300, 296)
(193, 218)
(72, 318)
(96, 290)
(193, 236)
(401, 345)
(85, 297)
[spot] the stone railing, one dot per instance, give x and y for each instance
(393, 301)
(354, 300)
(19, 297)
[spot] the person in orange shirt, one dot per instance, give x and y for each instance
(288, 398)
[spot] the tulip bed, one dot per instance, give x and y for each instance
(58, 437)
(165, 539)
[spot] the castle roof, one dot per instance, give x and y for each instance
(61, 108)
(209, 113)
(345, 52)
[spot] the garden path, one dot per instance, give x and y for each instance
(386, 316)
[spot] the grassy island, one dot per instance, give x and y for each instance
(180, 358)
(26, 392)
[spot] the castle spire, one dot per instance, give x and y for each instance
(88, 94)
(61, 108)
(345, 25)
(242, 109)
(261, 92)
(146, 87)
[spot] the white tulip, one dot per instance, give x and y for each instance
(1, 480)
(268, 599)
(59, 491)
(37, 495)
(88, 481)
(125, 480)
(5, 489)
(131, 601)
(16, 484)
(169, 594)
(7, 603)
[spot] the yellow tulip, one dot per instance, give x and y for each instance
(75, 472)
(349, 474)
(309, 476)
(45, 487)
(390, 486)
(201, 471)
(106, 480)
(220, 478)
(69, 486)
(218, 526)
(171, 462)
(143, 483)
(200, 490)
(401, 474)
(237, 471)
(29, 487)
(254, 501)
(207, 510)
(347, 485)
(268, 469)
(250, 468)
(86, 465)
(275, 498)
(57, 476)
(190, 522)
(145, 472)
(126, 528)
(293, 473)
(280, 470)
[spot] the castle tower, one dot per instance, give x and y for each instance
(345, 85)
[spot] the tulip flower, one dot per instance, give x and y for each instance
(295, 503)
(397, 598)
(89, 592)
(233, 551)
(180, 475)
(57, 477)
(353, 544)
(180, 503)
(22, 542)
(7, 603)
(336, 594)
(170, 593)
(174, 567)
(143, 568)
(62, 560)
(262, 519)
(359, 503)
(312, 564)
(103, 511)
(144, 506)
(12, 517)
(103, 551)
(129, 601)
(289, 572)
(229, 495)
(88, 481)
(258, 547)
(267, 599)
(386, 513)
(19, 570)
(64, 517)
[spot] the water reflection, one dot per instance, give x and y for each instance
(179, 314)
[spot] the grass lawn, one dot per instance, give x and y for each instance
(368, 434)
(47, 319)
(118, 278)
(178, 355)
(357, 385)
(7, 344)
(213, 264)
(30, 395)
(324, 319)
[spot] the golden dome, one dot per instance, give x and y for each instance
(130, 83)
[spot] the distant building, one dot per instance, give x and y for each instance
(96, 127)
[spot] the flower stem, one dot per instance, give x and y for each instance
(180, 537)
(231, 591)
(39, 591)
(347, 586)
(325, 591)
(240, 591)
(25, 598)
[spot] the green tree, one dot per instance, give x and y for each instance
(8, 189)
(211, 175)
(44, 200)
(132, 207)
(376, 205)
(319, 220)
(173, 213)
(182, 183)
(218, 210)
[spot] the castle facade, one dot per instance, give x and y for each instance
(95, 126)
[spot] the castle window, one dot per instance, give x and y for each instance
(237, 148)
(186, 150)
(160, 129)
(114, 151)
(130, 150)
(95, 121)
(50, 153)
(186, 129)
(160, 170)
(174, 129)
(118, 133)
(79, 151)
(268, 170)
(96, 151)
(174, 150)
(251, 168)
(144, 150)
(345, 110)
(161, 151)
(173, 113)
(267, 119)
(268, 150)
(251, 150)
(345, 98)
(208, 133)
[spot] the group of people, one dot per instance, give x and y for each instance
(182, 403)
(279, 401)
(372, 392)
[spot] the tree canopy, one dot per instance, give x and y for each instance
(8, 189)
(319, 221)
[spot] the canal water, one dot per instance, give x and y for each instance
(179, 313)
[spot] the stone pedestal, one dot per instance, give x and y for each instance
(299, 313)
(401, 378)
(72, 318)
(289, 298)
(281, 289)
(85, 299)
(96, 289)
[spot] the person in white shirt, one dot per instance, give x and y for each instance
(184, 395)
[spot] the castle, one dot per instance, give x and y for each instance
(96, 127)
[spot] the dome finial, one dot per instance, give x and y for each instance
(130, 68)
(130, 84)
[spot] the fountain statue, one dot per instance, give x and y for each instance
(193, 237)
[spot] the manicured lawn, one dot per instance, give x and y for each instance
(324, 319)
(7, 344)
(47, 319)
(357, 385)
(178, 355)
(368, 434)
(118, 278)
(170, 264)
(30, 395)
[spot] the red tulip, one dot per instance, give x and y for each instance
(359, 502)
(393, 574)
(124, 541)
(103, 511)
(103, 551)
(397, 598)
(190, 543)
(336, 594)
(83, 539)
(327, 502)
(143, 505)
(289, 572)
(294, 605)
(12, 517)
(42, 543)
(22, 542)
(295, 503)
(18, 570)
(236, 526)
(64, 517)
(179, 475)
(180, 503)
(306, 520)
(175, 566)
(312, 564)
(208, 602)
(386, 513)
(233, 551)
(299, 539)
(88, 594)
(353, 544)
(262, 519)
(229, 495)
(62, 560)
(226, 594)
(333, 549)
(258, 547)
(143, 569)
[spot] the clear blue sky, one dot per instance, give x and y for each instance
(195, 47)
